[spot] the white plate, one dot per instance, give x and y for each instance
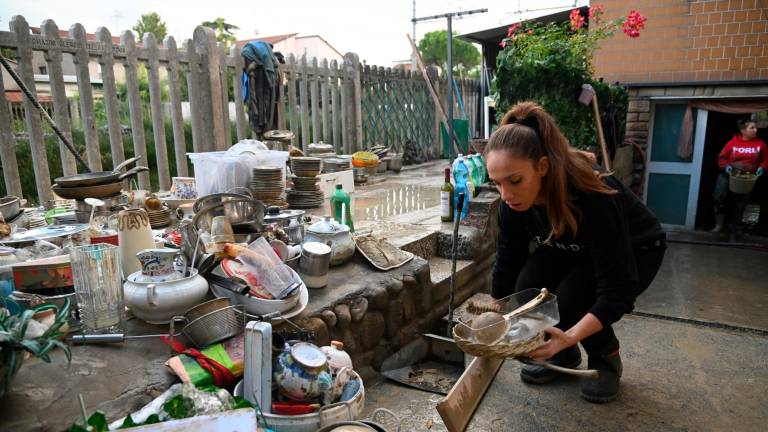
(299, 308)
(45, 233)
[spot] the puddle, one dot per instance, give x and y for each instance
(380, 204)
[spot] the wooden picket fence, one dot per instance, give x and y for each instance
(347, 104)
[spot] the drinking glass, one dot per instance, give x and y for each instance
(99, 289)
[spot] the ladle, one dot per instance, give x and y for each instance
(93, 202)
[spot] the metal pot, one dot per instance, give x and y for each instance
(395, 163)
(10, 207)
(289, 220)
(335, 235)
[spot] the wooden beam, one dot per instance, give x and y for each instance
(459, 406)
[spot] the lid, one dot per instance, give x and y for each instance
(280, 135)
(338, 345)
(338, 186)
(327, 226)
(316, 248)
(308, 355)
(275, 214)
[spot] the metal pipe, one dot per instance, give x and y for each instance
(450, 77)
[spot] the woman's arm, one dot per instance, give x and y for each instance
(725, 154)
(560, 340)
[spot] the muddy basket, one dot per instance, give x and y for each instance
(742, 183)
(517, 326)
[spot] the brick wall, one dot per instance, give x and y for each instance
(688, 40)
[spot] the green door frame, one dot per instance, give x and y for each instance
(691, 169)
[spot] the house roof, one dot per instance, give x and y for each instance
(15, 96)
(268, 39)
(91, 37)
(496, 34)
(324, 41)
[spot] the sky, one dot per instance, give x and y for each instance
(374, 29)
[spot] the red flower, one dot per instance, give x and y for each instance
(596, 11)
(503, 43)
(633, 24)
(577, 21)
(513, 29)
(530, 32)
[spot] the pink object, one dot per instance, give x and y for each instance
(113, 240)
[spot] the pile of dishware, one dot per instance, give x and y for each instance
(111, 205)
(159, 218)
(321, 150)
(278, 139)
(306, 191)
(332, 165)
(267, 183)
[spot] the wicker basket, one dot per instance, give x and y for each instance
(742, 183)
(461, 335)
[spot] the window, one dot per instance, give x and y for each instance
(42, 70)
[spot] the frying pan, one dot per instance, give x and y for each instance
(98, 191)
(95, 178)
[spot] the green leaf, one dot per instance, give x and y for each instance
(24, 321)
(175, 407)
(64, 347)
(98, 421)
(153, 419)
(241, 402)
(77, 428)
(128, 422)
(208, 388)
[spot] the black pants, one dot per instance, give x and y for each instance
(571, 277)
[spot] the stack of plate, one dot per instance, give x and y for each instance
(332, 165)
(36, 222)
(267, 183)
(306, 193)
(159, 218)
(305, 166)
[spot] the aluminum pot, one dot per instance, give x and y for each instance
(291, 221)
(10, 207)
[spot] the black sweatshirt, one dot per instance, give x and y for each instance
(610, 228)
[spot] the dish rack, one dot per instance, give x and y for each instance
(525, 314)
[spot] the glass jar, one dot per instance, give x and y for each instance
(98, 285)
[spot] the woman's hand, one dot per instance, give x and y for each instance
(558, 341)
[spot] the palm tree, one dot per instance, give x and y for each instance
(224, 30)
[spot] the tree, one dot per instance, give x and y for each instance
(224, 30)
(151, 23)
(434, 50)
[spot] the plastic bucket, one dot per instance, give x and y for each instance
(742, 183)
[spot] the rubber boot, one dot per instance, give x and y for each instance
(719, 222)
(605, 387)
(569, 357)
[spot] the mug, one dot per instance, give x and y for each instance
(185, 212)
(184, 188)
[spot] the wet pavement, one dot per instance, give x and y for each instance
(684, 371)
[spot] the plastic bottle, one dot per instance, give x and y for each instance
(342, 208)
(446, 198)
(481, 159)
(470, 176)
(462, 184)
(478, 170)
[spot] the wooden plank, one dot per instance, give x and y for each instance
(304, 102)
(8, 147)
(292, 107)
(344, 109)
(335, 106)
(240, 120)
(280, 97)
(156, 105)
(53, 59)
(357, 98)
(223, 73)
(32, 116)
(193, 87)
(457, 408)
(205, 41)
(87, 113)
(110, 97)
(324, 73)
(313, 102)
(177, 120)
(134, 105)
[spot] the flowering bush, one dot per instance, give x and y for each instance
(549, 63)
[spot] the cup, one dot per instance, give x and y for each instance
(98, 287)
(184, 211)
(221, 229)
(314, 264)
(184, 188)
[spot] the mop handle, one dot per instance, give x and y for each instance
(454, 255)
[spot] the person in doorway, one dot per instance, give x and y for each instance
(744, 152)
(596, 245)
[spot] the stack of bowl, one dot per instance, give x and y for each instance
(306, 191)
(159, 218)
(332, 165)
(267, 183)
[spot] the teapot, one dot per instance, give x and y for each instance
(336, 236)
(301, 372)
(157, 265)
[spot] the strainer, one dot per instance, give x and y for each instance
(213, 326)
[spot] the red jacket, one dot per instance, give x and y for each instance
(750, 154)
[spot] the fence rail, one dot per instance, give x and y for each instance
(347, 104)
